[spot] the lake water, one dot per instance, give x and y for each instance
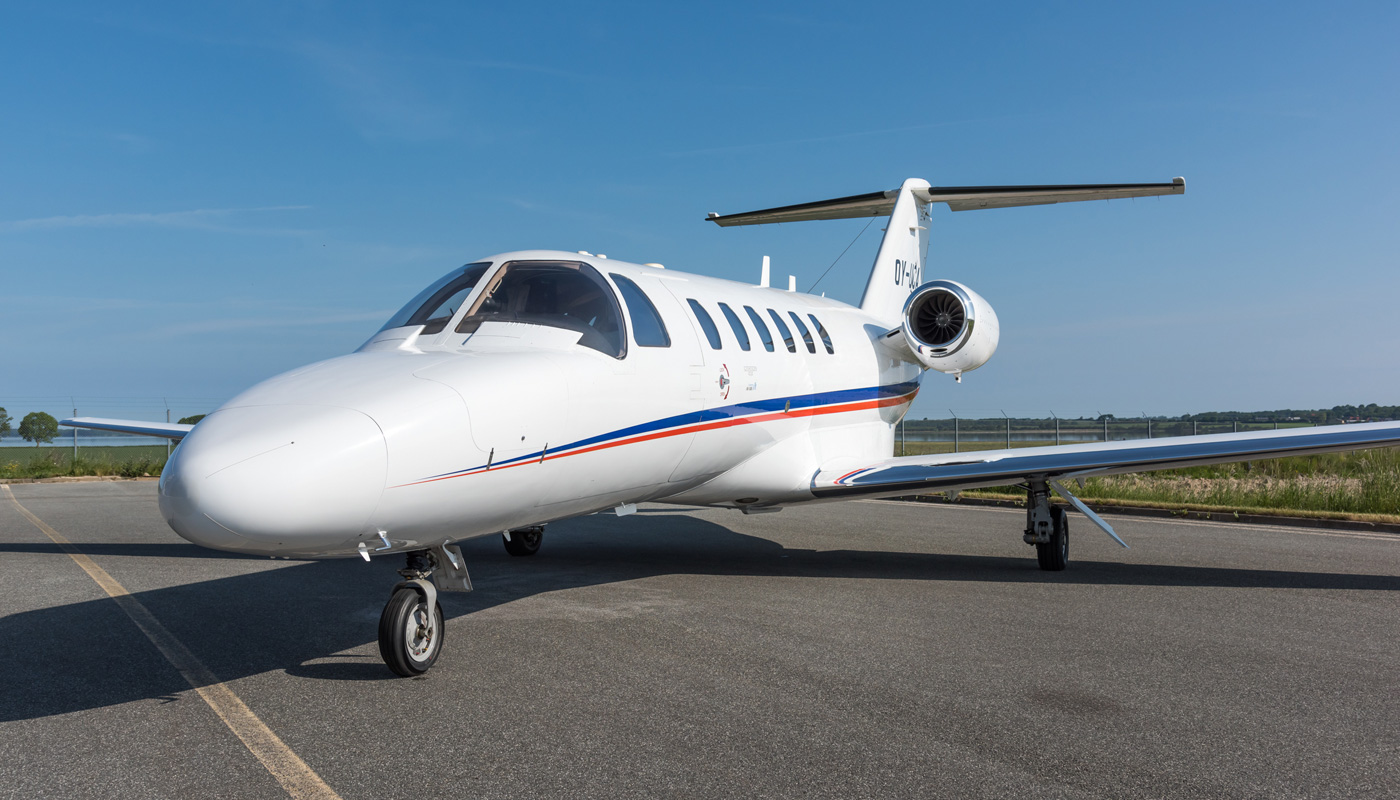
(66, 440)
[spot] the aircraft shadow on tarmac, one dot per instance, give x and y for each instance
(85, 655)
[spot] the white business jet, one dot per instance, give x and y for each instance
(535, 386)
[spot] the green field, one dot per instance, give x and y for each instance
(50, 462)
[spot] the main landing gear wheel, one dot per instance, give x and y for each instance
(1046, 526)
(1054, 554)
(523, 541)
(410, 634)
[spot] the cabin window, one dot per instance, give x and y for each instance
(821, 331)
(806, 335)
(647, 328)
(706, 323)
(761, 328)
(783, 331)
(739, 332)
(434, 306)
(561, 294)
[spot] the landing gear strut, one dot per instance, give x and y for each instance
(1046, 527)
(523, 541)
(411, 629)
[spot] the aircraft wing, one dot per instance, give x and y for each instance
(165, 430)
(979, 469)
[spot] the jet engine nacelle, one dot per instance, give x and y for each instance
(949, 328)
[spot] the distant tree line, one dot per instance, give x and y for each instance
(1327, 416)
(41, 428)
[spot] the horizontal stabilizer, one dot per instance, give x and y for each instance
(971, 198)
(958, 198)
(165, 430)
(875, 204)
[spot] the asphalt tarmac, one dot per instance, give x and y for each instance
(865, 649)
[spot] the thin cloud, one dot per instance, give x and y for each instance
(209, 219)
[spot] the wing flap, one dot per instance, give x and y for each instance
(957, 471)
(164, 430)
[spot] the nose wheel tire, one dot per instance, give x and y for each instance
(410, 635)
(1054, 554)
(524, 541)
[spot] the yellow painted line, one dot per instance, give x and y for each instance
(295, 775)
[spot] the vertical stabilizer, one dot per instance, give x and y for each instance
(899, 265)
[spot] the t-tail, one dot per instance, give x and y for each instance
(901, 264)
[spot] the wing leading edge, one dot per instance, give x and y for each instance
(165, 430)
(957, 471)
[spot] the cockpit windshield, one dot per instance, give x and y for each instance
(561, 294)
(434, 306)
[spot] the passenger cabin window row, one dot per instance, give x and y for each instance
(574, 296)
(741, 334)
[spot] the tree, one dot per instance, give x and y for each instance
(38, 427)
(5, 420)
(183, 420)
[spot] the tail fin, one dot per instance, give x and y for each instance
(899, 265)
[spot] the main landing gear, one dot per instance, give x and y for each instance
(411, 628)
(523, 541)
(1047, 526)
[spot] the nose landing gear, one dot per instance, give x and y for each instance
(411, 628)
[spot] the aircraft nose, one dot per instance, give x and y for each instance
(275, 479)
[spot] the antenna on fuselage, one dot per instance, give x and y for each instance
(763, 276)
(792, 283)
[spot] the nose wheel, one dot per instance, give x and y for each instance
(411, 627)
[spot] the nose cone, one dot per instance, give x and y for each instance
(286, 479)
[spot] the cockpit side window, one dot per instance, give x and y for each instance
(647, 328)
(560, 294)
(434, 306)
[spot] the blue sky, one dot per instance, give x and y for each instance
(199, 196)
